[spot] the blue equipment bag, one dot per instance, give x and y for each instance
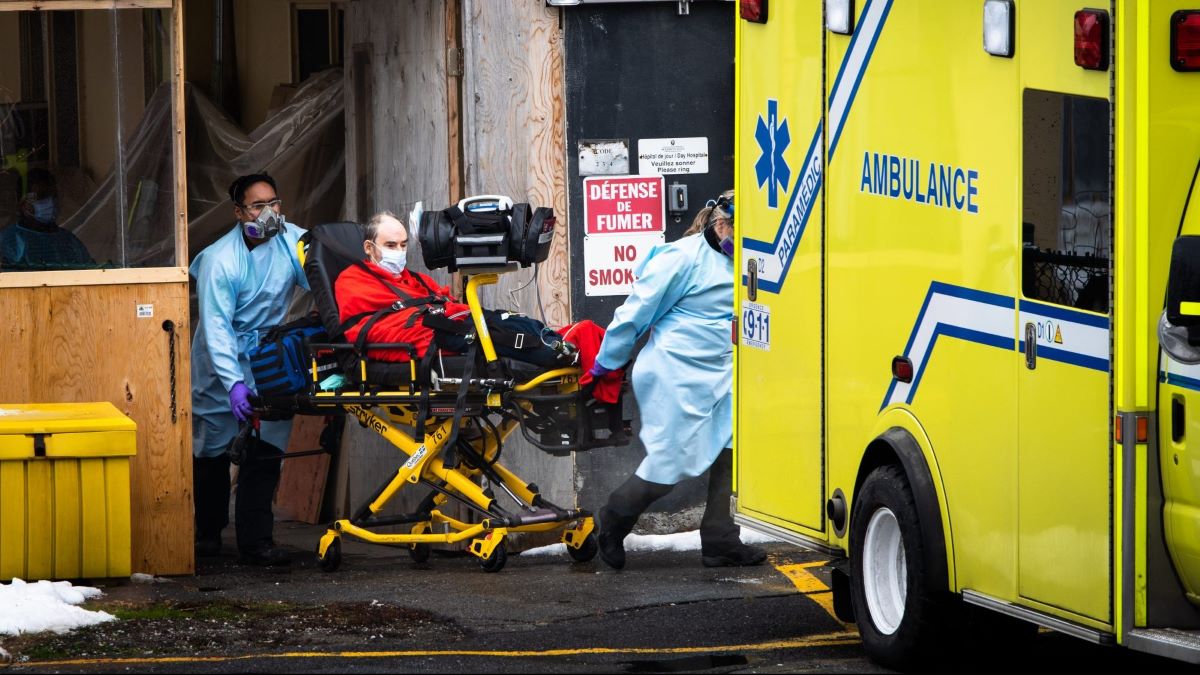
(280, 363)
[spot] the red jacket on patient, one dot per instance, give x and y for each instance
(358, 291)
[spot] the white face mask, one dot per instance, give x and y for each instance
(392, 259)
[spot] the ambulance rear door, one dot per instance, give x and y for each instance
(780, 467)
(1064, 546)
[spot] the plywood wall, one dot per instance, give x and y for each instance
(409, 162)
(85, 343)
(514, 135)
(514, 132)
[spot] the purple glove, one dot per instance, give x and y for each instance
(598, 371)
(239, 402)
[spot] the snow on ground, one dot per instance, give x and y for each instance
(46, 606)
(680, 541)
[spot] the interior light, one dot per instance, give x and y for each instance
(998, 24)
(839, 16)
(1185, 40)
(1091, 39)
(753, 10)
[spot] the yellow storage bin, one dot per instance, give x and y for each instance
(64, 490)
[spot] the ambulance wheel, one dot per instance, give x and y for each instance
(899, 613)
(586, 551)
(332, 558)
(419, 552)
(495, 562)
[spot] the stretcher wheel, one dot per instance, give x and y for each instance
(586, 551)
(332, 558)
(419, 552)
(495, 561)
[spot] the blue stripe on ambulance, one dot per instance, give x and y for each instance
(1180, 374)
(808, 183)
(986, 318)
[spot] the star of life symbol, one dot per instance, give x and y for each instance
(773, 138)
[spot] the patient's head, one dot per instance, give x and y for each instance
(387, 242)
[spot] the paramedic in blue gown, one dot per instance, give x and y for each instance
(244, 282)
(683, 380)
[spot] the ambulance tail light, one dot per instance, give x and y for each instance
(1185, 40)
(753, 10)
(839, 16)
(999, 26)
(902, 369)
(1141, 428)
(1091, 39)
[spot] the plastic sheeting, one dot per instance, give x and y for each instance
(302, 146)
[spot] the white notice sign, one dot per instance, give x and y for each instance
(609, 261)
(666, 156)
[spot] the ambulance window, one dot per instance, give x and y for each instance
(1067, 227)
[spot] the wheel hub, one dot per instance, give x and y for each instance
(885, 579)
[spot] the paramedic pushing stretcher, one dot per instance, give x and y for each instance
(683, 382)
(243, 281)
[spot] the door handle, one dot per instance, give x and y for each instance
(1030, 346)
(1178, 419)
(752, 280)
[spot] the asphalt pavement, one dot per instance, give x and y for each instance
(382, 612)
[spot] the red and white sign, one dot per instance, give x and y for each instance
(624, 205)
(609, 261)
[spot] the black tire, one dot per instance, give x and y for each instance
(495, 562)
(902, 635)
(332, 558)
(419, 552)
(586, 551)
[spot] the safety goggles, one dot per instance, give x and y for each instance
(725, 203)
(257, 207)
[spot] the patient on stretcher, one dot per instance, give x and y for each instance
(394, 304)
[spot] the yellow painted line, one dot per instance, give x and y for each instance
(823, 640)
(807, 583)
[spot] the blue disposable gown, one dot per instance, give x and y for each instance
(241, 292)
(683, 378)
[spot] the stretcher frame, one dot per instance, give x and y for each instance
(471, 483)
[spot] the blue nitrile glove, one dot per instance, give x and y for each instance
(239, 402)
(598, 371)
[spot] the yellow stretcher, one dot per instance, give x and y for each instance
(396, 400)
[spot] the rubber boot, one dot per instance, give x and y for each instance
(621, 513)
(210, 488)
(720, 538)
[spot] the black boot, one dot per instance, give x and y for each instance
(210, 489)
(620, 514)
(720, 538)
(254, 520)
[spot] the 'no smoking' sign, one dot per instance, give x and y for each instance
(624, 217)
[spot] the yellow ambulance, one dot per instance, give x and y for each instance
(959, 370)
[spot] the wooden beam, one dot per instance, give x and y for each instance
(57, 5)
(454, 82)
(152, 275)
(178, 108)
